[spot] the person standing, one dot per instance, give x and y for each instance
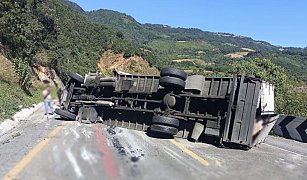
(48, 101)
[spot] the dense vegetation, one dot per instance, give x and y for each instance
(59, 34)
(287, 100)
(210, 53)
(50, 33)
(182, 43)
(12, 97)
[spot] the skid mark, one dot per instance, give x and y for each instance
(87, 156)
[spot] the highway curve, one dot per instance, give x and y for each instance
(41, 148)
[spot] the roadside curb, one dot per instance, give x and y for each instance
(9, 124)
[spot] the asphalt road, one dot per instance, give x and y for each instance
(41, 148)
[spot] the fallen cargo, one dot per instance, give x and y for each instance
(234, 111)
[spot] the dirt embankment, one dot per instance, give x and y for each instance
(47, 75)
(135, 64)
(12, 96)
(7, 73)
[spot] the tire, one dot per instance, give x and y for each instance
(168, 121)
(172, 83)
(65, 114)
(76, 77)
(161, 129)
(172, 72)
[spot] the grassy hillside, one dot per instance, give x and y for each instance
(52, 33)
(217, 49)
(59, 34)
(124, 24)
(12, 97)
(218, 54)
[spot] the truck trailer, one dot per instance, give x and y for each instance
(233, 111)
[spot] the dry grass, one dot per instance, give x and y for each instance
(247, 49)
(7, 73)
(237, 55)
(194, 61)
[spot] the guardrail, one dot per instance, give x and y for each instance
(291, 127)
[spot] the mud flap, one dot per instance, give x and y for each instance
(268, 123)
(87, 115)
(197, 130)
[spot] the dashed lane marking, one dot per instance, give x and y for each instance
(27, 158)
(189, 152)
(218, 163)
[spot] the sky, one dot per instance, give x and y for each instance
(279, 22)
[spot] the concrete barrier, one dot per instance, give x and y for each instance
(291, 127)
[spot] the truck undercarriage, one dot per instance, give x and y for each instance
(235, 111)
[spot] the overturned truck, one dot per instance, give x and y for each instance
(234, 111)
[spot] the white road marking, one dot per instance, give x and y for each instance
(66, 131)
(86, 133)
(74, 163)
(285, 150)
(55, 154)
(74, 131)
(87, 156)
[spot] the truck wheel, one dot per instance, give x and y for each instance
(168, 121)
(172, 72)
(155, 128)
(76, 77)
(172, 83)
(65, 114)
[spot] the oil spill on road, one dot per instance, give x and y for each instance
(120, 149)
(134, 154)
(127, 153)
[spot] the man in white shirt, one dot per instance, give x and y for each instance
(48, 101)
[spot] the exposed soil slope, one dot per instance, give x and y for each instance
(135, 64)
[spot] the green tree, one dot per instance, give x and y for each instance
(287, 101)
(22, 31)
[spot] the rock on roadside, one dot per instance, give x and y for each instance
(17, 118)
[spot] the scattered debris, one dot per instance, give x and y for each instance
(135, 158)
(16, 134)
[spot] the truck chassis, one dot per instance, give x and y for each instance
(234, 111)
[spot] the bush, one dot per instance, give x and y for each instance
(287, 101)
(12, 96)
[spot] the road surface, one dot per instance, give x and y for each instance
(41, 148)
